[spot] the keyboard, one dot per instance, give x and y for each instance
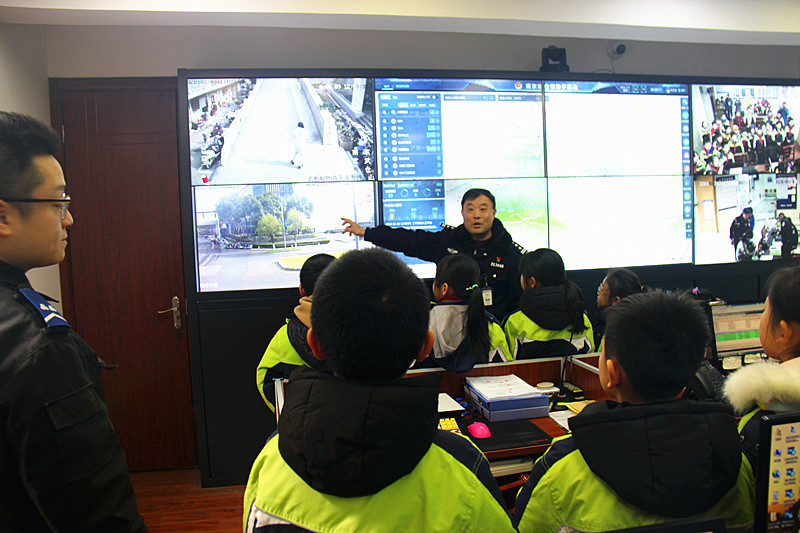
(449, 424)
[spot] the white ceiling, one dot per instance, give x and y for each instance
(752, 22)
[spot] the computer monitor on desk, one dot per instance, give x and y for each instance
(777, 486)
(736, 340)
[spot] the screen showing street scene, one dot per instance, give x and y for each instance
(280, 130)
(745, 128)
(617, 129)
(458, 128)
(257, 236)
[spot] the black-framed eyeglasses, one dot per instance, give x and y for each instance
(62, 203)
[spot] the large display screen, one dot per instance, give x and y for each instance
(608, 173)
(745, 170)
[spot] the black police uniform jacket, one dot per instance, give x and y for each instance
(62, 467)
(498, 257)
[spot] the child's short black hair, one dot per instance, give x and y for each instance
(311, 270)
(659, 339)
(370, 315)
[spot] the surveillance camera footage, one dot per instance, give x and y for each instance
(280, 130)
(745, 162)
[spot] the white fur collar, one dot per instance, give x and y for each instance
(763, 384)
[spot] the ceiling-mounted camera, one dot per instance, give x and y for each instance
(616, 49)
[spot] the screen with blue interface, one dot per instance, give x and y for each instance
(601, 171)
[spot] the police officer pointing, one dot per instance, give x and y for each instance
(62, 467)
(481, 236)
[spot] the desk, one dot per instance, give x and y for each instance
(583, 374)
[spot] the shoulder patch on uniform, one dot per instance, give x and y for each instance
(50, 314)
(452, 251)
(519, 247)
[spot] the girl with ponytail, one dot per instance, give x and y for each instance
(464, 332)
(618, 283)
(552, 320)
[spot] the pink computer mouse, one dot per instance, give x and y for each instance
(479, 430)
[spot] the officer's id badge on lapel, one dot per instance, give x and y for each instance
(50, 314)
(487, 296)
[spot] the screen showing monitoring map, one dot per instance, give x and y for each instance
(603, 172)
(744, 157)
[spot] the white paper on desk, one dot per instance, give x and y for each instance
(448, 404)
(561, 417)
(501, 387)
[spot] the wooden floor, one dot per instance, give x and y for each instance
(172, 500)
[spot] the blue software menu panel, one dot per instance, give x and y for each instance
(458, 128)
(414, 204)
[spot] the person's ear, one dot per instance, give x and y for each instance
(615, 299)
(6, 216)
(614, 373)
(302, 291)
(788, 333)
(314, 345)
(444, 287)
(427, 346)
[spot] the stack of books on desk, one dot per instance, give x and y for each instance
(505, 398)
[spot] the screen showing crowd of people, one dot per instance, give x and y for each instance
(357, 446)
(745, 132)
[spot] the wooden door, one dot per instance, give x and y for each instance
(124, 260)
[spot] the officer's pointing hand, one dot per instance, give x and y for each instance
(352, 228)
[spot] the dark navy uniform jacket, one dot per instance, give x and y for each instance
(498, 257)
(62, 467)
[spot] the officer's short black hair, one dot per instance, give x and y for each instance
(22, 138)
(747, 210)
(659, 338)
(311, 270)
(474, 193)
(370, 315)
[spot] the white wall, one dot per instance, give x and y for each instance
(108, 51)
(24, 89)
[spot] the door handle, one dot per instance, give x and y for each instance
(176, 312)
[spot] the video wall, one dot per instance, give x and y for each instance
(608, 173)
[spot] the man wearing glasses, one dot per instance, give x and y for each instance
(62, 466)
